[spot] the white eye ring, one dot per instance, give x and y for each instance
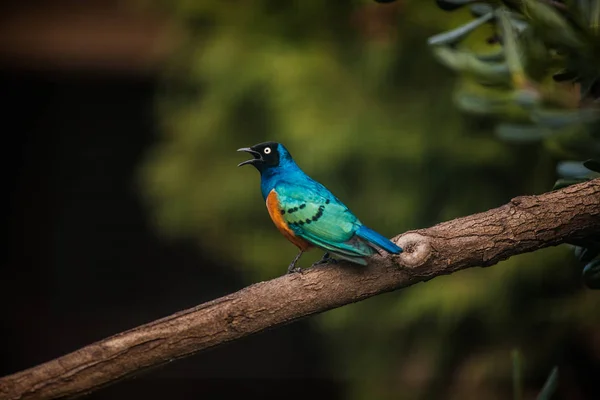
(267, 150)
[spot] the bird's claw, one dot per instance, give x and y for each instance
(326, 259)
(294, 269)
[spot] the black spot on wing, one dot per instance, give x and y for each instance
(319, 213)
(314, 218)
(302, 206)
(294, 209)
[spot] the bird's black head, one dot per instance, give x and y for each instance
(266, 155)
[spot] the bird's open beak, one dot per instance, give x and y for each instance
(255, 154)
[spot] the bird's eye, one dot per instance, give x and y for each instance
(267, 150)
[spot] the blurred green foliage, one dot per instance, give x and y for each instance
(537, 76)
(353, 92)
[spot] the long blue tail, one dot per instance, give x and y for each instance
(375, 238)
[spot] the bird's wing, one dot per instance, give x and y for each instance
(314, 214)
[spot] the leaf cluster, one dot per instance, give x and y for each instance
(533, 66)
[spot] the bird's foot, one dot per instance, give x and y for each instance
(326, 259)
(292, 269)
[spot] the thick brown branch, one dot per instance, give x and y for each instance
(523, 225)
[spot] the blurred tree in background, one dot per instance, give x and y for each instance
(353, 91)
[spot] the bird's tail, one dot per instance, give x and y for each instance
(380, 241)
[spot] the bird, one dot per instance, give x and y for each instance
(308, 214)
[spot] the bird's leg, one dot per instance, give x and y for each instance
(326, 259)
(292, 267)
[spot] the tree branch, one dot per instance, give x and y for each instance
(523, 225)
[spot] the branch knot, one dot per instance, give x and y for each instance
(417, 249)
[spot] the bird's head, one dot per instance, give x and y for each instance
(266, 155)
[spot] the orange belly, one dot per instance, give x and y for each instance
(276, 216)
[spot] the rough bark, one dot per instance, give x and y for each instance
(523, 225)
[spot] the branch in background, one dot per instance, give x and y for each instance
(523, 225)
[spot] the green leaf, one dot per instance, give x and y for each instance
(479, 9)
(551, 24)
(485, 72)
(493, 56)
(456, 35)
(519, 133)
(591, 274)
(549, 386)
(592, 165)
(512, 49)
(561, 183)
(527, 97)
(559, 119)
(571, 169)
(487, 100)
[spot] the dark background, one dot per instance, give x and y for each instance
(81, 262)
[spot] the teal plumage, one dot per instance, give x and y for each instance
(307, 213)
